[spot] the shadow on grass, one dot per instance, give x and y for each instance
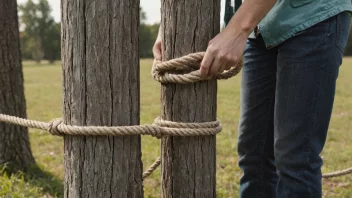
(24, 183)
(50, 184)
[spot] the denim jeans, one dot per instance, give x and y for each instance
(287, 95)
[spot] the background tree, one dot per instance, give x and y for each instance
(52, 44)
(147, 36)
(15, 149)
(41, 35)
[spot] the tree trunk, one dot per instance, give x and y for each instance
(14, 145)
(188, 166)
(101, 87)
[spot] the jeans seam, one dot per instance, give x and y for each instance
(295, 123)
(272, 97)
(338, 32)
(316, 109)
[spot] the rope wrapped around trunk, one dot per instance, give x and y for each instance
(182, 70)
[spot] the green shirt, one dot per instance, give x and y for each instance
(288, 17)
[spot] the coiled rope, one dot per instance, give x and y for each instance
(189, 64)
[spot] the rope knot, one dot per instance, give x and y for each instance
(187, 70)
(53, 127)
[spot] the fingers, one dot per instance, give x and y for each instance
(233, 62)
(157, 50)
(216, 66)
(222, 68)
(206, 63)
(214, 63)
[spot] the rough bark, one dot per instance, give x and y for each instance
(101, 87)
(188, 166)
(14, 145)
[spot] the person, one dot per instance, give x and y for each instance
(292, 51)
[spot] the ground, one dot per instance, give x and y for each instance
(43, 89)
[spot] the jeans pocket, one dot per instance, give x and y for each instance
(342, 30)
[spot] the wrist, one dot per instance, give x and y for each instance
(239, 31)
(241, 27)
(247, 28)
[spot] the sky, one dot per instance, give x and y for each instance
(151, 7)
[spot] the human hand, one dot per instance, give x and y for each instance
(224, 51)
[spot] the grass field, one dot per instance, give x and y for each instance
(43, 89)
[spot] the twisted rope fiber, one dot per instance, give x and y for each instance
(152, 168)
(338, 173)
(190, 64)
(159, 128)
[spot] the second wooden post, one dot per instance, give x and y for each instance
(189, 163)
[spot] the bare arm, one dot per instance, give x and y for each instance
(226, 49)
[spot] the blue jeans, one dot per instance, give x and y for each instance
(287, 95)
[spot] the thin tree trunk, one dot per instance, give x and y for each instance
(14, 145)
(101, 87)
(188, 166)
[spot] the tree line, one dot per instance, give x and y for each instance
(40, 35)
(40, 38)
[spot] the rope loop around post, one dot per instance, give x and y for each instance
(159, 128)
(186, 70)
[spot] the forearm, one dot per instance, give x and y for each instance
(249, 15)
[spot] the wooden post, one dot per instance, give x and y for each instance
(14, 143)
(101, 87)
(188, 166)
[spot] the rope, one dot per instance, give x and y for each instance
(189, 64)
(159, 128)
(338, 173)
(152, 168)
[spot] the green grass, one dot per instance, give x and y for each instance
(43, 88)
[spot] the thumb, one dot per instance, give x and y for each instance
(157, 51)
